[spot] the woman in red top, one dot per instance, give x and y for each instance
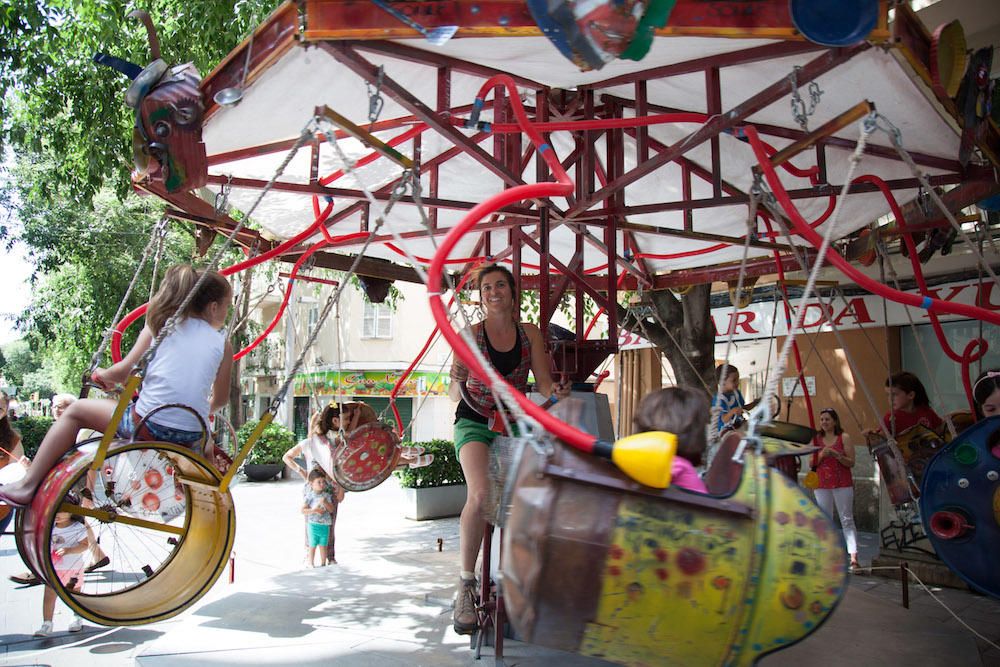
(833, 463)
(909, 405)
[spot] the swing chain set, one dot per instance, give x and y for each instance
(157, 235)
(800, 110)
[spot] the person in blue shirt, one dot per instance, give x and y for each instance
(728, 403)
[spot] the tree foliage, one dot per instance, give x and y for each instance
(67, 114)
(67, 133)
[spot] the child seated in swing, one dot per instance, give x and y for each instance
(909, 405)
(685, 413)
(191, 367)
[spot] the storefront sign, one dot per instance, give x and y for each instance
(851, 312)
(792, 387)
(766, 319)
(370, 383)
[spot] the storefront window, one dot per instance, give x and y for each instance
(941, 376)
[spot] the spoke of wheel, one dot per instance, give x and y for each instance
(110, 517)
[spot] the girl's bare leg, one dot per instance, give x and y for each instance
(474, 459)
(86, 413)
(48, 603)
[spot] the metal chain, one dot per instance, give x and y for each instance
(800, 111)
(335, 296)
(867, 127)
(305, 135)
(221, 205)
(896, 136)
(161, 242)
(375, 99)
(159, 227)
(756, 193)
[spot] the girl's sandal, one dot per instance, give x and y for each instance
(422, 460)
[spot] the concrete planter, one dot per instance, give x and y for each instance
(435, 502)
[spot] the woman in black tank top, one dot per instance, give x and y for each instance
(513, 348)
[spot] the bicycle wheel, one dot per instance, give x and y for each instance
(156, 511)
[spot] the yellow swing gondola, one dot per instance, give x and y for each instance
(597, 564)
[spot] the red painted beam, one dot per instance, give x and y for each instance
(436, 59)
(878, 150)
(730, 59)
(367, 71)
(818, 191)
(815, 68)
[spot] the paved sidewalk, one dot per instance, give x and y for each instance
(388, 602)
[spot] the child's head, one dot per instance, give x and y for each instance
(906, 392)
(678, 410)
(986, 393)
(829, 421)
(211, 303)
(329, 418)
(731, 380)
(317, 479)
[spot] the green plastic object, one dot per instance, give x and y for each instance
(966, 454)
(655, 17)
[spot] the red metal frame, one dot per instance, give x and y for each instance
(597, 209)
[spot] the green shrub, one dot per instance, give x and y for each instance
(443, 471)
(32, 430)
(272, 444)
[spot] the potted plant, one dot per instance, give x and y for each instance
(264, 460)
(437, 490)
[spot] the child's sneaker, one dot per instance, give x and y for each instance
(45, 630)
(76, 624)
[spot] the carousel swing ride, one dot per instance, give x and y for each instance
(668, 575)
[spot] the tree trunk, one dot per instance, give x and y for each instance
(681, 328)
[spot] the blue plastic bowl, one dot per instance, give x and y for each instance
(834, 22)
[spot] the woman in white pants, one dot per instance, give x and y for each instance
(833, 463)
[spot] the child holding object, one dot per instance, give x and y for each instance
(685, 413)
(319, 508)
(191, 367)
(909, 405)
(69, 542)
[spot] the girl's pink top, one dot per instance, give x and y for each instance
(683, 474)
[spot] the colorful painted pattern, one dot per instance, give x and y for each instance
(370, 383)
(683, 585)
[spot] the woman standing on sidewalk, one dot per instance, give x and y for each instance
(317, 451)
(513, 348)
(833, 463)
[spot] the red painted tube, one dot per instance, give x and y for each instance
(597, 315)
(976, 348)
(795, 343)
(563, 186)
(596, 124)
(836, 259)
(406, 374)
(288, 292)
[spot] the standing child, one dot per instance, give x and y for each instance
(69, 544)
(320, 509)
(191, 367)
(683, 412)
